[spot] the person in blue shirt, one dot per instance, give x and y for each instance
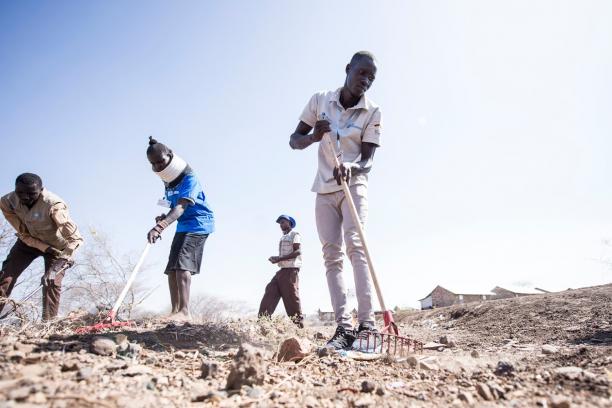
(195, 222)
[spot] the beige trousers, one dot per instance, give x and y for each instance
(333, 218)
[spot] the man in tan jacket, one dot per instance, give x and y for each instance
(44, 228)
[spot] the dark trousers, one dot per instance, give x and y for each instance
(18, 259)
(284, 285)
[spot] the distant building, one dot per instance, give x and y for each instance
(441, 297)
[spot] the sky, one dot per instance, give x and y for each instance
(494, 161)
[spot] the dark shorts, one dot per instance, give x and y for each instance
(186, 252)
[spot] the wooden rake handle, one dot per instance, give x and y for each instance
(355, 215)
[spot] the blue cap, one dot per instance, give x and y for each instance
(288, 218)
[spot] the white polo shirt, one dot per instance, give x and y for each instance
(350, 127)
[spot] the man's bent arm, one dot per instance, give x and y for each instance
(296, 252)
(301, 138)
(67, 229)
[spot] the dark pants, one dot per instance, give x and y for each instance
(18, 259)
(286, 285)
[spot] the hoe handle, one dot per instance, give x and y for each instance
(130, 281)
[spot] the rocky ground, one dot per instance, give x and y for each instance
(551, 350)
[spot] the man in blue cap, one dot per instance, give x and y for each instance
(285, 284)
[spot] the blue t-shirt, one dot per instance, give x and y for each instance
(198, 217)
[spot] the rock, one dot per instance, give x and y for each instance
(368, 386)
(161, 381)
(363, 402)
(15, 356)
(560, 402)
(85, 373)
(433, 346)
(212, 396)
(103, 346)
(122, 343)
(180, 355)
(310, 402)
(248, 368)
(497, 391)
(34, 370)
(429, 363)
(209, 369)
(25, 348)
(294, 349)
(504, 368)
(324, 352)
(475, 354)
(549, 349)
(466, 397)
(484, 392)
(255, 393)
(20, 394)
(380, 391)
(33, 358)
(444, 340)
(37, 398)
(319, 336)
(70, 365)
(569, 372)
(135, 370)
(412, 361)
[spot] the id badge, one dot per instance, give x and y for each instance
(162, 202)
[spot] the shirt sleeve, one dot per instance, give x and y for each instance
(67, 228)
(309, 114)
(297, 238)
(373, 129)
(189, 189)
(22, 231)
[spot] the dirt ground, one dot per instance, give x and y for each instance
(549, 350)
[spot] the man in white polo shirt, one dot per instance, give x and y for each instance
(354, 124)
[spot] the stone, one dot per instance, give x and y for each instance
(433, 346)
(569, 372)
(103, 346)
(135, 370)
(310, 402)
(84, 373)
(497, 391)
(294, 349)
(37, 398)
(180, 355)
(20, 394)
(368, 386)
(209, 369)
(412, 361)
(504, 368)
(475, 354)
(466, 397)
(70, 365)
(429, 363)
(33, 358)
(484, 392)
(549, 349)
(325, 352)
(444, 340)
(560, 402)
(380, 391)
(15, 356)
(363, 402)
(248, 368)
(319, 336)
(255, 392)
(212, 397)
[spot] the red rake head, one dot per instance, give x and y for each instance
(106, 323)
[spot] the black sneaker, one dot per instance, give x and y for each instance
(342, 339)
(366, 326)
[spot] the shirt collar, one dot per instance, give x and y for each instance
(364, 102)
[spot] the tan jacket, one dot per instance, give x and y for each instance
(46, 224)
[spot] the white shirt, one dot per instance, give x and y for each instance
(285, 247)
(350, 127)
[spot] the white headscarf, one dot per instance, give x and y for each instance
(173, 169)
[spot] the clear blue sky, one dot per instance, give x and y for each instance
(495, 165)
